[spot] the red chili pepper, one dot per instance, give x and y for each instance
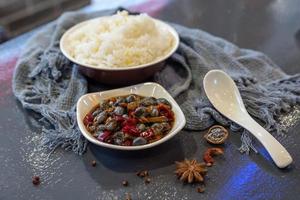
(88, 119)
(104, 136)
(130, 122)
(126, 128)
(131, 113)
(119, 118)
(131, 130)
(209, 153)
(147, 134)
(127, 143)
(165, 111)
(109, 140)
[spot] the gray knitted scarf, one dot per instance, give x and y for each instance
(49, 84)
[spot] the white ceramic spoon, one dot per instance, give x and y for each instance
(225, 97)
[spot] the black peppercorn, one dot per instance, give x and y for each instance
(94, 163)
(200, 189)
(147, 180)
(125, 183)
(36, 180)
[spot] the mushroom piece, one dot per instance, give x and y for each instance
(111, 125)
(148, 101)
(119, 110)
(101, 117)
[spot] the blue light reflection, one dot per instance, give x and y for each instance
(239, 183)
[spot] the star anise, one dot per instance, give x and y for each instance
(190, 171)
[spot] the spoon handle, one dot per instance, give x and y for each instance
(279, 154)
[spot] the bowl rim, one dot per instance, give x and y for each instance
(76, 26)
(171, 134)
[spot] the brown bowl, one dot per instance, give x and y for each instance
(120, 75)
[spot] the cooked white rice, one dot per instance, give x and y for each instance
(121, 40)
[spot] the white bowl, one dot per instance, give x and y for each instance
(87, 102)
(120, 75)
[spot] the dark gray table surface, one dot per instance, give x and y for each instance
(269, 26)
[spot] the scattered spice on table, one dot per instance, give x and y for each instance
(200, 189)
(143, 173)
(128, 196)
(147, 180)
(190, 171)
(94, 163)
(209, 164)
(216, 135)
(125, 183)
(130, 120)
(36, 180)
(210, 153)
